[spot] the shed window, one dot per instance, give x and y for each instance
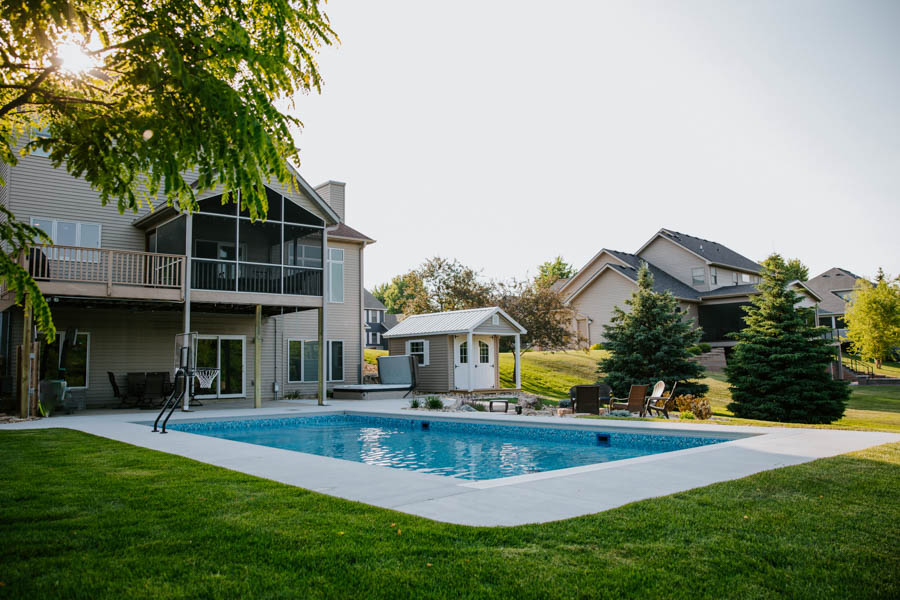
(464, 353)
(484, 353)
(419, 349)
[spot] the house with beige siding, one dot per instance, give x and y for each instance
(277, 303)
(710, 281)
(457, 350)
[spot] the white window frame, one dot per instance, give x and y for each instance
(425, 351)
(87, 361)
(287, 367)
(495, 320)
(694, 281)
(333, 262)
(53, 230)
(745, 278)
(484, 345)
(329, 344)
(713, 276)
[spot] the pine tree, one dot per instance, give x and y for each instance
(650, 342)
(778, 371)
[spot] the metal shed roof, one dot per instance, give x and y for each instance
(456, 321)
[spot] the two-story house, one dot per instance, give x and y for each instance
(710, 281)
(378, 321)
(835, 286)
(269, 299)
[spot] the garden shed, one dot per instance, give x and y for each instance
(457, 350)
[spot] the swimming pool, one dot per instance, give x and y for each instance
(465, 450)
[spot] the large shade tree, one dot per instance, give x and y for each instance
(779, 368)
(133, 94)
(873, 318)
(650, 341)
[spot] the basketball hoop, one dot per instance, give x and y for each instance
(205, 377)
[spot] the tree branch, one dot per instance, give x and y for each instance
(31, 89)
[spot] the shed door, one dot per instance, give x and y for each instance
(484, 363)
(460, 363)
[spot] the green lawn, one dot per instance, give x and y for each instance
(371, 355)
(551, 374)
(86, 517)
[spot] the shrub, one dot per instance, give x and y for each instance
(565, 403)
(619, 413)
(704, 347)
(434, 403)
(695, 350)
(597, 347)
(414, 403)
(692, 406)
(478, 406)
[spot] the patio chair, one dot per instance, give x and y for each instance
(134, 387)
(155, 388)
(585, 399)
(635, 402)
(656, 402)
(118, 394)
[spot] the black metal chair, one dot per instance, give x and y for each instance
(155, 388)
(134, 387)
(117, 392)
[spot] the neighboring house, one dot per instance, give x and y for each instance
(834, 287)
(129, 283)
(457, 350)
(710, 281)
(376, 324)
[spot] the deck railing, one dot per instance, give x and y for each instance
(72, 264)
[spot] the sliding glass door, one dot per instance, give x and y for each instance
(226, 353)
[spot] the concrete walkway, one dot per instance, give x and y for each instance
(533, 498)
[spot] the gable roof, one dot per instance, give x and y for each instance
(450, 322)
(827, 284)
(662, 281)
(342, 231)
(713, 252)
(371, 302)
(567, 282)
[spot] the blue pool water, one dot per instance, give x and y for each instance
(458, 449)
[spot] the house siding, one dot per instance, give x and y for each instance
(597, 301)
(503, 328)
(676, 261)
(589, 271)
(438, 375)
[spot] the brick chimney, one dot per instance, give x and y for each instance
(332, 192)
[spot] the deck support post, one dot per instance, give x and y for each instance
(323, 381)
(323, 320)
(470, 362)
(25, 367)
(257, 359)
(518, 365)
(186, 290)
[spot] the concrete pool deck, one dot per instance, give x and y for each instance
(533, 498)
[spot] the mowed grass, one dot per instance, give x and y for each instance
(370, 355)
(887, 368)
(551, 374)
(86, 517)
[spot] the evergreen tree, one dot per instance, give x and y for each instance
(778, 371)
(650, 342)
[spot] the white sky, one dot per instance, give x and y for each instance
(503, 133)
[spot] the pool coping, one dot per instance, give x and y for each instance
(516, 500)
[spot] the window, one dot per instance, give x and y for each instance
(374, 339)
(335, 275)
(303, 361)
(419, 349)
(70, 233)
(464, 353)
(495, 320)
(698, 276)
(484, 353)
(40, 134)
(72, 364)
(734, 278)
(310, 361)
(745, 278)
(335, 360)
(714, 276)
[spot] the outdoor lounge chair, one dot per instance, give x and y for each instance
(656, 401)
(134, 388)
(117, 393)
(635, 402)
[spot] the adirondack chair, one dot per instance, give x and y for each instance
(656, 402)
(635, 402)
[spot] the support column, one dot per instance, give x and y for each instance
(257, 359)
(25, 364)
(323, 380)
(188, 235)
(518, 356)
(470, 361)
